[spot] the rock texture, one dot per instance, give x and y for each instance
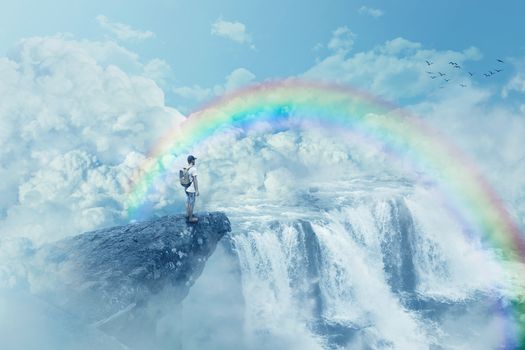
(104, 275)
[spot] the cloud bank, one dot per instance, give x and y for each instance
(74, 127)
(82, 116)
(394, 70)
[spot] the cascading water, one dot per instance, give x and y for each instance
(394, 273)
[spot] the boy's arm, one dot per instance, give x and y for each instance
(196, 184)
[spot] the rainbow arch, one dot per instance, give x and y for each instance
(342, 107)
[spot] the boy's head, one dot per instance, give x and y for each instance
(191, 159)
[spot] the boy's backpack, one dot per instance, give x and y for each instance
(184, 177)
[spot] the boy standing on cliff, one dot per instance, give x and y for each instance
(192, 190)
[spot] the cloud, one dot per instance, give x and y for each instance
(317, 47)
(517, 84)
(490, 133)
(394, 70)
(123, 31)
(74, 128)
(364, 10)
(235, 31)
(238, 78)
(342, 40)
(159, 71)
(517, 81)
(195, 92)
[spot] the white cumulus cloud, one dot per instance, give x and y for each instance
(395, 69)
(74, 127)
(238, 78)
(235, 31)
(342, 40)
(364, 10)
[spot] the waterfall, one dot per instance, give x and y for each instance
(385, 274)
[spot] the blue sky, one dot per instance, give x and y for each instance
(286, 37)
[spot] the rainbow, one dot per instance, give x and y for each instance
(295, 103)
(292, 102)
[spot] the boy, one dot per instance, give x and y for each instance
(192, 190)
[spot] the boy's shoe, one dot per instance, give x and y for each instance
(193, 219)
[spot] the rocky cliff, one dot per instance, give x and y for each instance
(109, 278)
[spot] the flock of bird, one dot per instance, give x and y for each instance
(455, 65)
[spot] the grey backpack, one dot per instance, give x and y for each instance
(185, 177)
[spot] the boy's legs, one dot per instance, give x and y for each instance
(190, 203)
(187, 204)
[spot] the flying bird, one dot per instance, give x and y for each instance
(487, 75)
(453, 63)
(429, 63)
(441, 74)
(462, 85)
(428, 72)
(433, 77)
(499, 70)
(447, 80)
(457, 66)
(500, 61)
(470, 74)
